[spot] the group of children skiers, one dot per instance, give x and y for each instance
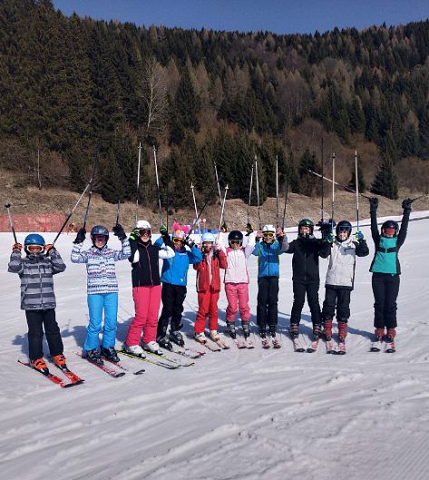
(224, 252)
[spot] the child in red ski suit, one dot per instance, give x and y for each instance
(208, 287)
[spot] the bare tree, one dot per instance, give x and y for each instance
(154, 93)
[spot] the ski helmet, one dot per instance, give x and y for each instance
(179, 234)
(235, 236)
(390, 224)
(208, 237)
(34, 239)
(268, 228)
(344, 226)
(143, 224)
(98, 231)
(306, 222)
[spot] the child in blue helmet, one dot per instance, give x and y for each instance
(386, 269)
(102, 289)
(36, 272)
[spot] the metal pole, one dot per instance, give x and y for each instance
(257, 193)
(223, 208)
(277, 191)
(284, 210)
(157, 186)
(218, 185)
(250, 195)
(11, 221)
(195, 206)
(333, 192)
(118, 211)
(323, 170)
(357, 190)
(338, 184)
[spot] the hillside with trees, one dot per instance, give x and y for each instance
(74, 86)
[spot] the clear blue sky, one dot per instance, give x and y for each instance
(280, 16)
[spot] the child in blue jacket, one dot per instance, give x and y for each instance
(174, 279)
(268, 251)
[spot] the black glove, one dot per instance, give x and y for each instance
(224, 227)
(325, 229)
(119, 232)
(189, 242)
(249, 229)
(373, 204)
(406, 205)
(216, 253)
(80, 237)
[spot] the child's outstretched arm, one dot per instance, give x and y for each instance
(406, 205)
(373, 205)
(125, 252)
(77, 256)
(15, 264)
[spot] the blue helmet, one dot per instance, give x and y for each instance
(34, 239)
(99, 230)
(208, 237)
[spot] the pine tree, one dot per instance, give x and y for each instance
(386, 180)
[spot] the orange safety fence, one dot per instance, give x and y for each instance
(33, 222)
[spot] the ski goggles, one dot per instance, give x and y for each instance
(35, 248)
(389, 231)
(100, 238)
(268, 234)
(178, 241)
(235, 242)
(344, 229)
(145, 232)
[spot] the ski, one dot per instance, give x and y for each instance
(170, 359)
(265, 343)
(222, 344)
(53, 378)
(210, 347)
(69, 374)
(276, 342)
(159, 363)
(187, 352)
(239, 344)
(389, 346)
(110, 371)
(248, 343)
(123, 367)
(313, 346)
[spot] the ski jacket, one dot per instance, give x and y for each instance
(145, 262)
(100, 266)
(305, 261)
(208, 271)
(386, 249)
(236, 271)
(36, 274)
(268, 257)
(342, 263)
(175, 269)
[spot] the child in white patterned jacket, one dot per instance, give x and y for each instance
(102, 289)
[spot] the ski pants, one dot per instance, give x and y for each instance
(173, 297)
(299, 291)
(207, 306)
(97, 303)
(238, 298)
(340, 298)
(36, 320)
(146, 305)
(386, 289)
(268, 295)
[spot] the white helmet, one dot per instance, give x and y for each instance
(141, 224)
(268, 228)
(208, 237)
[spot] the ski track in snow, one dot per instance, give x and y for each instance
(237, 414)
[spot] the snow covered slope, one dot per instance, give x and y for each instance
(237, 414)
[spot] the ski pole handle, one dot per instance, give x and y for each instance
(11, 221)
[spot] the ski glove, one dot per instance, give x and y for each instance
(406, 205)
(163, 230)
(330, 238)
(49, 248)
(373, 204)
(224, 227)
(325, 229)
(135, 234)
(17, 246)
(80, 237)
(359, 236)
(119, 232)
(189, 242)
(249, 229)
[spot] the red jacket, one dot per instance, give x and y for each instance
(204, 272)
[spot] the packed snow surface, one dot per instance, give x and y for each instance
(237, 414)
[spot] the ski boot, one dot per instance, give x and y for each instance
(294, 330)
(317, 330)
(60, 361)
(40, 365)
(272, 331)
(200, 337)
(377, 341)
(274, 339)
(390, 340)
(214, 335)
(327, 329)
(246, 328)
(231, 330)
(164, 342)
(110, 354)
(152, 347)
(177, 338)
(94, 356)
(342, 331)
(134, 350)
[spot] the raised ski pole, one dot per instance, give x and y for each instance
(338, 184)
(222, 210)
(85, 218)
(333, 192)
(357, 191)
(11, 221)
(157, 185)
(285, 206)
(218, 184)
(257, 193)
(321, 180)
(277, 191)
(195, 206)
(88, 185)
(138, 181)
(118, 211)
(168, 202)
(250, 195)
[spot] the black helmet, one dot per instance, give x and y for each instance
(306, 222)
(235, 235)
(99, 230)
(390, 224)
(344, 225)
